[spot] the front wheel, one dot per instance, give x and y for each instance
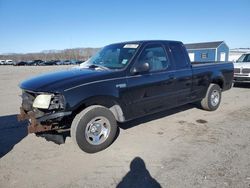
(94, 129)
(213, 98)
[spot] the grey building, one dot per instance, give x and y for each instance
(208, 51)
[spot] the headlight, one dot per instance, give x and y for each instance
(42, 101)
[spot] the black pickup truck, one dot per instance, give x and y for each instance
(121, 82)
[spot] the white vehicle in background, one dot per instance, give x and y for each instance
(8, 62)
(242, 69)
(2, 62)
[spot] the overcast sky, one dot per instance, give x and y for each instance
(36, 25)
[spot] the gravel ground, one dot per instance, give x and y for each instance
(183, 147)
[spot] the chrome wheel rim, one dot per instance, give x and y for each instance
(97, 130)
(215, 98)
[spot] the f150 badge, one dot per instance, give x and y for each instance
(123, 85)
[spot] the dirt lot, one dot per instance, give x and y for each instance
(184, 147)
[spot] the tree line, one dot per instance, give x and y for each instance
(68, 54)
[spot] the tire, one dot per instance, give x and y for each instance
(213, 98)
(94, 129)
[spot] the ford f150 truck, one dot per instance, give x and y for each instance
(121, 82)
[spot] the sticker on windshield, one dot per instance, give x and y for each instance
(124, 61)
(131, 46)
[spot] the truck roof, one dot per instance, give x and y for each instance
(147, 41)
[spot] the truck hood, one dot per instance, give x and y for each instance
(61, 80)
(242, 65)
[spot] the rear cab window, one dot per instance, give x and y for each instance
(178, 55)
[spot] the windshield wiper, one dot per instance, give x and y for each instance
(93, 66)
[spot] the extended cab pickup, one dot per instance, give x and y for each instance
(121, 82)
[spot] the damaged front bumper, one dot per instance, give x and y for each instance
(44, 123)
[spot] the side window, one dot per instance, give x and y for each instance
(247, 58)
(179, 58)
(155, 56)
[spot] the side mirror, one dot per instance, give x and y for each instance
(141, 68)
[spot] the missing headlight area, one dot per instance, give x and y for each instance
(57, 102)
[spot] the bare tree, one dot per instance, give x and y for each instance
(76, 54)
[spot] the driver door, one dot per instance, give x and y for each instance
(152, 90)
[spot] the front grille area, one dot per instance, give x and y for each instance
(27, 100)
(245, 71)
(236, 70)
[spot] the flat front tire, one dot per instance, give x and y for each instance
(94, 128)
(213, 98)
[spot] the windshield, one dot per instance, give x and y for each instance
(115, 56)
(244, 58)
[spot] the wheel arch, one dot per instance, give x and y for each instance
(219, 80)
(112, 103)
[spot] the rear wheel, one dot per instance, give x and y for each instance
(213, 98)
(94, 128)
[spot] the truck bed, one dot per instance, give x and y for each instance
(223, 69)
